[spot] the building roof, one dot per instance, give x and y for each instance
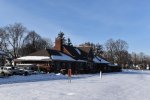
(85, 48)
(46, 55)
(45, 52)
(98, 59)
(62, 56)
(76, 53)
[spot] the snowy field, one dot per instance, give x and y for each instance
(126, 85)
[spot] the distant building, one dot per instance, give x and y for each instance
(62, 57)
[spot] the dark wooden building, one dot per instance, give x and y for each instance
(62, 57)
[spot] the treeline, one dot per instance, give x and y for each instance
(116, 52)
(17, 40)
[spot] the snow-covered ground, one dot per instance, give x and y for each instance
(126, 85)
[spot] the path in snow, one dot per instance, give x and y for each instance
(128, 85)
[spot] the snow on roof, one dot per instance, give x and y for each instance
(100, 60)
(78, 51)
(24, 64)
(36, 58)
(62, 57)
(96, 60)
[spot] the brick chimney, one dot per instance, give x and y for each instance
(59, 42)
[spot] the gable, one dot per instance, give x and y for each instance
(75, 52)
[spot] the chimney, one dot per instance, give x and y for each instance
(59, 42)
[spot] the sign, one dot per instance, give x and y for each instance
(69, 75)
(69, 72)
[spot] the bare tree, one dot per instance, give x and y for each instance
(121, 49)
(3, 42)
(31, 38)
(110, 50)
(34, 42)
(15, 35)
(140, 59)
(135, 58)
(117, 51)
(48, 43)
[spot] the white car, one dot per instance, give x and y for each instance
(6, 70)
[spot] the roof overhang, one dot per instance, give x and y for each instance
(34, 58)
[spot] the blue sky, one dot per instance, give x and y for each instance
(83, 20)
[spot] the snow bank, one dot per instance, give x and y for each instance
(31, 78)
(126, 85)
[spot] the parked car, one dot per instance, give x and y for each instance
(6, 70)
(26, 69)
(23, 71)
